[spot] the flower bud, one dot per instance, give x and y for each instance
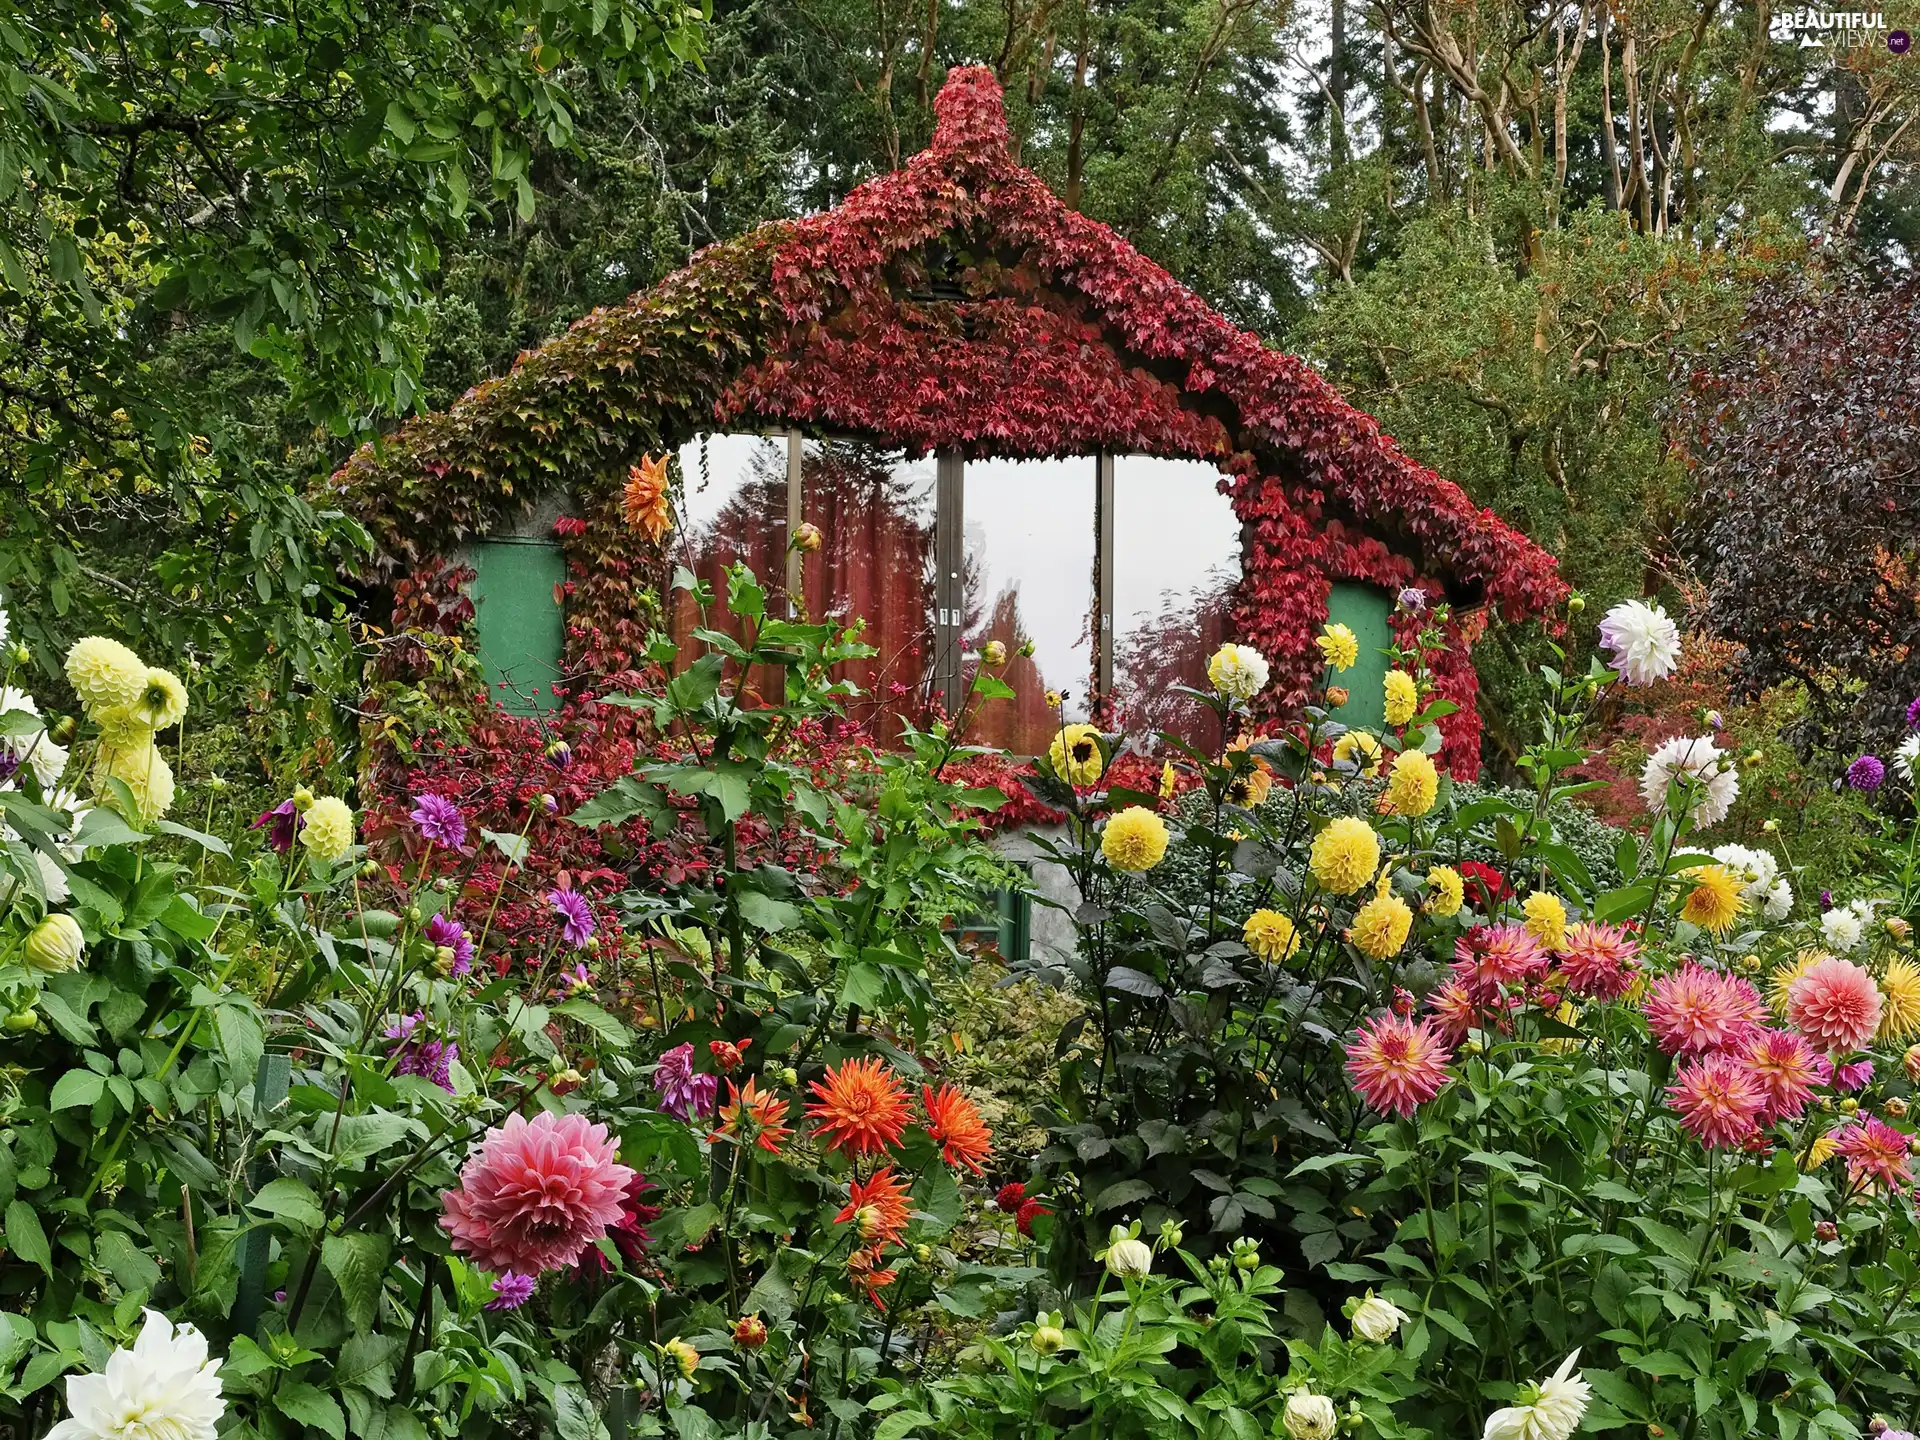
(1575, 604)
(566, 1081)
(807, 537)
(1770, 825)
(1895, 1107)
(1826, 1232)
(302, 799)
(1849, 1106)
(749, 1332)
(1246, 1254)
(217, 783)
(369, 868)
(1337, 696)
(56, 944)
(923, 1254)
(559, 754)
(1376, 1319)
(1756, 757)
(1047, 1339)
(993, 653)
(1911, 1060)
(680, 1354)
(791, 1077)
(1309, 1416)
(549, 804)
(1128, 1259)
(21, 1020)
(1171, 1234)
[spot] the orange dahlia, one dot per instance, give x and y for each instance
(866, 1274)
(956, 1127)
(862, 1107)
(765, 1114)
(878, 1205)
(646, 498)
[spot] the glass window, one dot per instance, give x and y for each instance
(733, 509)
(875, 511)
(1029, 578)
(1176, 547)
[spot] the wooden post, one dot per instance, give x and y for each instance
(1103, 502)
(949, 590)
(796, 448)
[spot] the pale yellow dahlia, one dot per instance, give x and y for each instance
(136, 762)
(162, 702)
(1784, 976)
(1446, 891)
(1076, 756)
(104, 673)
(1271, 936)
(1900, 987)
(1403, 697)
(1546, 918)
(1413, 785)
(1345, 855)
(1380, 927)
(328, 833)
(1135, 839)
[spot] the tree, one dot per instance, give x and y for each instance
(1802, 433)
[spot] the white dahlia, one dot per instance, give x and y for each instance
(1238, 672)
(1718, 783)
(1554, 1412)
(1644, 642)
(163, 1388)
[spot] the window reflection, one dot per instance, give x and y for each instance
(1176, 561)
(1029, 578)
(733, 510)
(875, 510)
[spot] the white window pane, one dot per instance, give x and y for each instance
(734, 510)
(1029, 549)
(1176, 544)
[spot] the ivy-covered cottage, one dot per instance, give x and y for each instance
(1005, 422)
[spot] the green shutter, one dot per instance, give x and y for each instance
(518, 619)
(1364, 610)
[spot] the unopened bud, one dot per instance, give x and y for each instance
(807, 537)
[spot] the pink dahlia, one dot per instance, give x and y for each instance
(1598, 961)
(1397, 1065)
(1719, 1100)
(536, 1193)
(1787, 1070)
(1876, 1155)
(1697, 1011)
(1488, 957)
(1454, 1013)
(1836, 1005)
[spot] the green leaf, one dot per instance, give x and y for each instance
(574, 1416)
(102, 827)
(242, 1040)
(992, 687)
(133, 1267)
(76, 1087)
(357, 1261)
(607, 1027)
(365, 1135)
(311, 1406)
(291, 1200)
(765, 913)
(211, 843)
(25, 1237)
(516, 848)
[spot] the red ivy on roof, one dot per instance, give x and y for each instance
(955, 302)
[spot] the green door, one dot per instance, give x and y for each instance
(518, 619)
(1364, 609)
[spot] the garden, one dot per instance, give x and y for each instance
(504, 934)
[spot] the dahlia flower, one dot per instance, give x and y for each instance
(1843, 925)
(646, 499)
(1905, 757)
(1854, 1075)
(1489, 957)
(1454, 1012)
(422, 1055)
(750, 1106)
(1835, 1005)
(162, 1387)
(162, 701)
(956, 1127)
(1402, 697)
(1381, 926)
(510, 1291)
(861, 1107)
(1553, 1412)
(536, 1193)
(684, 1092)
(1271, 936)
(1377, 1320)
(439, 820)
(1413, 785)
(1711, 777)
(1134, 840)
(1546, 918)
(1713, 901)
(1446, 892)
(450, 942)
(576, 916)
(629, 1231)
(1867, 773)
(1644, 642)
(1345, 855)
(1786, 1070)
(1357, 750)
(1238, 672)
(1339, 646)
(136, 762)
(1697, 1011)
(35, 748)
(1876, 1155)
(1396, 1066)
(879, 1206)
(1076, 756)
(328, 833)
(104, 673)
(1308, 1416)
(1900, 987)
(1598, 961)
(56, 944)
(282, 824)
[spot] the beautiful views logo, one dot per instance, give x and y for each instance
(1837, 30)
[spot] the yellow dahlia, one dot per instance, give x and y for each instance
(1169, 780)
(162, 702)
(1822, 1150)
(1900, 1016)
(1135, 839)
(328, 833)
(1271, 936)
(1360, 750)
(1568, 1014)
(1714, 902)
(1252, 785)
(1546, 919)
(1412, 785)
(104, 673)
(1339, 646)
(1345, 855)
(136, 762)
(1380, 926)
(1076, 756)
(1784, 976)
(1446, 891)
(1403, 697)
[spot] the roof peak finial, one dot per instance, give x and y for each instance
(970, 114)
